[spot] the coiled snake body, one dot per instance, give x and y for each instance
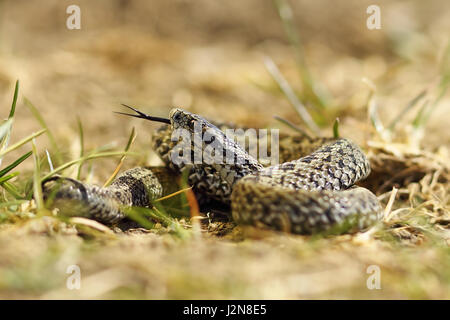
(313, 191)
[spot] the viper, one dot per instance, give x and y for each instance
(312, 190)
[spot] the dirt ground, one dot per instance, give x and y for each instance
(209, 57)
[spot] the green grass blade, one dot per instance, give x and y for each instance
(424, 113)
(442, 93)
(168, 221)
(15, 164)
(286, 17)
(85, 158)
(406, 109)
(8, 177)
(5, 130)
(315, 91)
(43, 124)
(122, 159)
(158, 214)
(81, 132)
(374, 117)
(14, 102)
(445, 64)
(21, 142)
(10, 188)
(336, 129)
(137, 215)
(5, 127)
(141, 215)
(291, 96)
(292, 126)
(418, 120)
(372, 107)
(37, 187)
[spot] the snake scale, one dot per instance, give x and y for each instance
(311, 191)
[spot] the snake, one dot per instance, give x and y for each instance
(311, 190)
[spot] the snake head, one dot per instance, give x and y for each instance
(178, 119)
(182, 119)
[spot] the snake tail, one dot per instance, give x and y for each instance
(134, 187)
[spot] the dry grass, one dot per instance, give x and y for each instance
(217, 70)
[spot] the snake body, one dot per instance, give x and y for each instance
(311, 191)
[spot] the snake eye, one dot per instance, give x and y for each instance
(176, 117)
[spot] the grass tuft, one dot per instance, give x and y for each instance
(85, 158)
(21, 143)
(313, 91)
(122, 159)
(5, 128)
(290, 95)
(51, 137)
